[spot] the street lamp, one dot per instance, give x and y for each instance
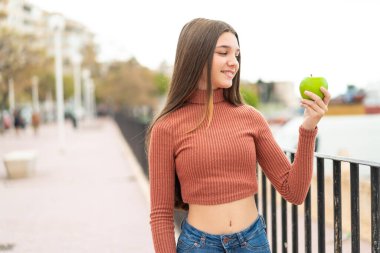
(57, 23)
(86, 88)
(92, 98)
(77, 60)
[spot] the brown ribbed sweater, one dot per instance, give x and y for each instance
(218, 164)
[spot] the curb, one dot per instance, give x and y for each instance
(138, 171)
(136, 167)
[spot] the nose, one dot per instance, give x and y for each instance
(233, 61)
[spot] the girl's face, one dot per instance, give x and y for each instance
(224, 65)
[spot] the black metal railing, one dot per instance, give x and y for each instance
(337, 208)
(134, 132)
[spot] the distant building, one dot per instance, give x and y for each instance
(281, 93)
(25, 18)
(372, 99)
(372, 94)
(357, 101)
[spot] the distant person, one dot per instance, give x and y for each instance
(203, 148)
(18, 120)
(36, 122)
(72, 117)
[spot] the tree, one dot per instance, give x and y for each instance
(249, 94)
(127, 84)
(19, 61)
(89, 53)
(162, 83)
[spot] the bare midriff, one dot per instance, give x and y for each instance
(225, 218)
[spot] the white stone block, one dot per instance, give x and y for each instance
(20, 164)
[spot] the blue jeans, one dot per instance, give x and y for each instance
(251, 239)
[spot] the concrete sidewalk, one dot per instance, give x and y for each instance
(84, 198)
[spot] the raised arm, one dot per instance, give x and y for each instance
(290, 180)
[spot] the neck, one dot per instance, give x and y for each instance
(199, 96)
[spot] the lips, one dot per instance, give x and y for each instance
(229, 73)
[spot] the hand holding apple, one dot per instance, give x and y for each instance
(315, 100)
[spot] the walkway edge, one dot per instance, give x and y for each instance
(137, 169)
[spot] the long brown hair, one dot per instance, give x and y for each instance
(195, 49)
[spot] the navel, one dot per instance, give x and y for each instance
(230, 223)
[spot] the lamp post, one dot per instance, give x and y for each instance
(77, 60)
(86, 90)
(92, 98)
(58, 24)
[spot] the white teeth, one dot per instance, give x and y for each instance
(230, 74)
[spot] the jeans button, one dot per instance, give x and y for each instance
(225, 240)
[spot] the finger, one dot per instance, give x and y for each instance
(314, 105)
(327, 95)
(317, 99)
(306, 106)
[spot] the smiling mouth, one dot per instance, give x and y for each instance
(230, 74)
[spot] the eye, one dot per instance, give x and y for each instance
(222, 53)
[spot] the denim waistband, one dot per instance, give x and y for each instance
(246, 234)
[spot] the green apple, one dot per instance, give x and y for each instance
(313, 84)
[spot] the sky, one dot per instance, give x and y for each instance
(279, 40)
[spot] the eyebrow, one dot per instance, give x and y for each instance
(228, 47)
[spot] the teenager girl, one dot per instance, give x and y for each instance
(204, 145)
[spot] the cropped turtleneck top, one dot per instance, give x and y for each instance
(217, 164)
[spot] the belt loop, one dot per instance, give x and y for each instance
(241, 239)
(183, 220)
(263, 221)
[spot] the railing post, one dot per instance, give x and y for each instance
(264, 196)
(284, 226)
(375, 209)
(337, 207)
(257, 178)
(295, 228)
(308, 222)
(274, 220)
(355, 209)
(294, 220)
(321, 204)
(284, 217)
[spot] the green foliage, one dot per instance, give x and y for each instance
(68, 86)
(89, 53)
(20, 60)
(249, 94)
(162, 83)
(46, 85)
(127, 84)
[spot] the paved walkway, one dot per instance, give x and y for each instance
(83, 198)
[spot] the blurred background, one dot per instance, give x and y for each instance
(70, 69)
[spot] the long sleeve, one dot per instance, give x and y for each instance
(161, 177)
(292, 181)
